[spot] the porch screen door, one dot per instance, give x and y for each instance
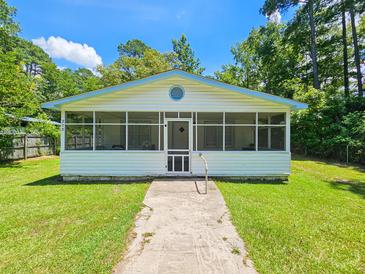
(178, 146)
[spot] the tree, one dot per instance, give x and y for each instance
(231, 74)
(264, 61)
(32, 56)
(271, 6)
(356, 49)
(133, 48)
(185, 58)
(345, 53)
(86, 80)
(17, 92)
(150, 63)
(136, 60)
(8, 27)
(111, 75)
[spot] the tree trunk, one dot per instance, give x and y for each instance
(345, 55)
(356, 51)
(316, 83)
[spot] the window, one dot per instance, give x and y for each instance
(176, 93)
(271, 131)
(79, 130)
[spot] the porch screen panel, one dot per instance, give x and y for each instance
(110, 137)
(240, 138)
(110, 117)
(79, 117)
(110, 130)
(240, 131)
(271, 131)
(144, 131)
(143, 117)
(234, 118)
(209, 130)
(143, 137)
(78, 130)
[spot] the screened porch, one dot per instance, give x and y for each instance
(145, 131)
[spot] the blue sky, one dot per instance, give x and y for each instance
(212, 27)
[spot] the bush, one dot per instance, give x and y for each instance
(330, 125)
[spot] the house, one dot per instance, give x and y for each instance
(157, 126)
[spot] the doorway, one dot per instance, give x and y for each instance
(178, 136)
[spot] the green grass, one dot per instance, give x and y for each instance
(47, 226)
(315, 223)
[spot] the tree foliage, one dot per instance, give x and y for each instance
(277, 59)
(185, 58)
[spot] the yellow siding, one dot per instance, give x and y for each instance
(155, 97)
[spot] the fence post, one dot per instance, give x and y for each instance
(25, 147)
(54, 140)
(347, 154)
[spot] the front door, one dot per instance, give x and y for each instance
(178, 146)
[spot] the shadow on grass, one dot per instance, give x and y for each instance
(9, 164)
(253, 182)
(57, 180)
(356, 187)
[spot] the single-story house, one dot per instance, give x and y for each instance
(158, 126)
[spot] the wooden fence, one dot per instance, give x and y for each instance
(25, 146)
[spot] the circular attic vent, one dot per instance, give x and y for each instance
(176, 93)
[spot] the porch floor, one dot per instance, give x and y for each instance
(182, 230)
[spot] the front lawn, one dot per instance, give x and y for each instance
(47, 226)
(315, 223)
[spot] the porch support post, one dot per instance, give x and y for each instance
(287, 131)
(126, 131)
(224, 131)
(159, 131)
(94, 131)
(63, 131)
(257, 132)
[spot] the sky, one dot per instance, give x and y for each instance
(86, 33)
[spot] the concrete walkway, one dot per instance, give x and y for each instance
(182, 231)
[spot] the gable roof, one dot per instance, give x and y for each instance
(294, 105)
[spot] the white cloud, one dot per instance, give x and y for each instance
(275, 17)
(58, 47)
